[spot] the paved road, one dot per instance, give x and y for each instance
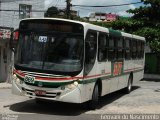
(145, 98)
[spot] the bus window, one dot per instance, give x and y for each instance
(102, 47)
(139, 49)
(120, 43)
(127, 49)
(120, 48)
(111, 50)
(90, 50)
(134, 49)
(142, 49)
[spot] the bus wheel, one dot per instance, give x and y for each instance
(95, 98)
(128, 89)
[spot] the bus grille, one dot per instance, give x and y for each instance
(48, 94)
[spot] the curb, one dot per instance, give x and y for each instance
(151, 77)
(5, 85)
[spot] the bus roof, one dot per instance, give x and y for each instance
(94, 27)
(67, 20)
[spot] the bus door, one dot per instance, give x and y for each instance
(103, 67)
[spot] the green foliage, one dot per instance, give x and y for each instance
(55, 12)
(144, 22)
(149, 17)
(52, 12)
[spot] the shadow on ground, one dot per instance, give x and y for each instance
(60, 108)
(151, 80)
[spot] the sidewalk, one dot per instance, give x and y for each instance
(152, 77)
(5, 85)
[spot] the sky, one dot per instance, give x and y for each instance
(84, 12)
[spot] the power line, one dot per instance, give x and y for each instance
(50, 4)
(107, 5)
(11, 10)
(57, 3)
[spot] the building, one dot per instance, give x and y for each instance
(5, 54)
(105, 17)
(97, 16)
(62, 12)
(11, 12)
(111, 17)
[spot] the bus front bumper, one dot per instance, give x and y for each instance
(72, 95)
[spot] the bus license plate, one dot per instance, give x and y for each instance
(40, 92)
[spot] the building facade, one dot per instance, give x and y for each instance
(11, 12)
(97, 16)
(111, 17)
(105, 17)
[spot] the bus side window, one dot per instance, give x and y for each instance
(139, 49)
(127, 48)
(142, 49)
(120, 48)
(102, 47)
(90, 50)
(111, 49)
(134, 49)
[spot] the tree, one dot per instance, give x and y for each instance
(55, 12)
(149, 17)
(52, 12)
(144, 22)
(148, 13)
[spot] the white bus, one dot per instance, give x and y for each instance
(76, 62)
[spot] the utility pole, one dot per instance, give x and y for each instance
(0, 11)
(68, 8)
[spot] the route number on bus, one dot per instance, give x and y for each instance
(117, 70)
(42, 39)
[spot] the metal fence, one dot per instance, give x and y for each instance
(152, 63)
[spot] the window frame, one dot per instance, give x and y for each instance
(92, 62)
(120, 49)
(112, 49)
(105, 47)
(127, 49)
(134, 49)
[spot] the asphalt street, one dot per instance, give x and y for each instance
(144, 99)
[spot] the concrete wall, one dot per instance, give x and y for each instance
(11, 18)
(5, 60)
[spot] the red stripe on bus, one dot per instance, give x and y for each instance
(128, 70)
(71, 78)
(60, 79)
(46, 78)
(98, 75)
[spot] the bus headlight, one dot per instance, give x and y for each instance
(75, 83)
(72, 86)
(17, 80)
(14, 76)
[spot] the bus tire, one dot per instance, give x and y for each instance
(128, 89)
(95, 98)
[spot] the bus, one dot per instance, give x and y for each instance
(76, 62)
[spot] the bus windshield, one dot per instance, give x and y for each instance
(55, 53)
